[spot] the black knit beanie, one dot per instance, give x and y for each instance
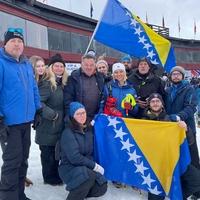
(12, 34)
(56, 58)
(155, 95)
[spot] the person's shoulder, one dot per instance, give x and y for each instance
(100, 75)
(67, 133)
(44, 84)
(187, 86)
(134, 74)
(76, 73)
(1, 54)
(25, 60)
(154, 76)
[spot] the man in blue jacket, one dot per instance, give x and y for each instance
(19, 101)
(181, 103)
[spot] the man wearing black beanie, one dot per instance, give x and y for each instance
(19, 101)
(13, 33)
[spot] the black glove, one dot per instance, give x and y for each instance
(3, 131)
(37, 119)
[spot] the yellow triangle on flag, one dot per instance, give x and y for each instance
(161, 44)
(160, 143)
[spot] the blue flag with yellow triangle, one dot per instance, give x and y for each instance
(149, 155)
(121, 30)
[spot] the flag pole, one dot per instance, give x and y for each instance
(179, 26)
(195, 28)
(147, 18)
(97, 26)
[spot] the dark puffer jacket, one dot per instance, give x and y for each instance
(182, 101)
(52, 102)
(145, 86)
(76, 146)
(73, 91)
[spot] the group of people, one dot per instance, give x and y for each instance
(61, 109)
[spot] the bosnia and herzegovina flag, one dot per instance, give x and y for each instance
(147, 154)
(121, 30)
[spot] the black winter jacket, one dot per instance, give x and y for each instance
(49, 131)
(73, 91)
(76, 147)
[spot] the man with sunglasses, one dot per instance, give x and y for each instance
(19, 101)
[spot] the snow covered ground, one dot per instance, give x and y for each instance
(39, 191)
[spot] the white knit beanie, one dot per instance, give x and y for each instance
(118, 66)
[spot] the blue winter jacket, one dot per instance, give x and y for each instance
(119, 92)
(19, 97)
(182, 101)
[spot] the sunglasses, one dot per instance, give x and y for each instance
(18, 30)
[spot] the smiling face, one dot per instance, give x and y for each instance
(40, 67)
(14, 47)
(101, 67)
(58, 68)
(119, 75)
(155, 105)
(88, 66)
(80, 116)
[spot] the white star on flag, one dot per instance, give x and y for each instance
(133, 156)
(120, 133)
(147, 46)
(113, 122)
(150, 54)
(147, 180)
(134, 22)
(142, 40)
(127, 13)
(138, 31)
(141, 168)
(126, 145)
(154, 190)
(154, 62)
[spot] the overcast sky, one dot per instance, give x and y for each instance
(187, 10)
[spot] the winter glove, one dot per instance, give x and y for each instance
(37, 119)
(174, 118)
(3, 131)
(98, 168)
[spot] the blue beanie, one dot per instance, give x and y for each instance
(126, 58)
(74, 106)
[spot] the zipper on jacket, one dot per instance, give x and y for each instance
(25, 87)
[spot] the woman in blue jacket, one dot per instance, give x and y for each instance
(122, 93)
(82, 176)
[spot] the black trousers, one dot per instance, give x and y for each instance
(194, 154)
(49, 165)
(190, 182)
(15, 162)
(89, 188)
